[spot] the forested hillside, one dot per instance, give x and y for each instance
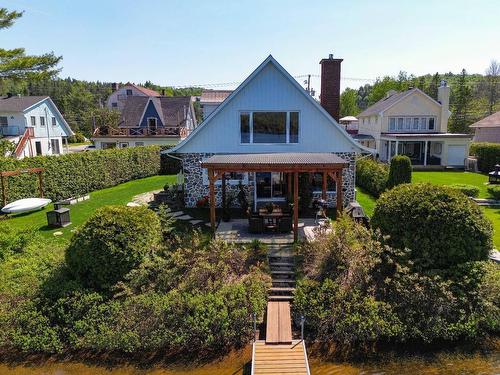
(473, 96)
(81, 102)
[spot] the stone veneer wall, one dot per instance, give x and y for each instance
(194, 188)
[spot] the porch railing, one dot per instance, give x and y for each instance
(170, 131)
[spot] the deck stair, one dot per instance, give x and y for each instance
(282, 265)
(28, 133)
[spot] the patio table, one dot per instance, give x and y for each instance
(271, 218)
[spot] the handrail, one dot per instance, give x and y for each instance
(254, 327)
(253, 358)
(305, 357)
(302, 320)
(169, 131)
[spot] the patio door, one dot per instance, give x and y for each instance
(269, 186)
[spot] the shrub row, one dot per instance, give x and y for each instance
(371, 176)
(494, 192)
(71, 175)
(487, 154)
(468, 190)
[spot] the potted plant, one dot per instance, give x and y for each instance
(270, 207)
(226, 210)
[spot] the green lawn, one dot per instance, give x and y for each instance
(120, 194)
(449, 178)
(445, 178)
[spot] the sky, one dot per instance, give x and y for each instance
(188, 42)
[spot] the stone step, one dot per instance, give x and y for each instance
(281, 264)
(282, 272)
(283, 283)
(281, 290)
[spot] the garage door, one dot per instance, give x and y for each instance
(456, 155)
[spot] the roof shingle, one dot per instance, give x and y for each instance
(492, 121)
(18, 103)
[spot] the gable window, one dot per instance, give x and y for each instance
(400, 123)
(407, 123)
(33, 121)
(431, 123)
(269, 127)
(3, 121)
(392, 123)
(54, 122)
(129, 92)
(42, 121)
(423, 123)
(415, 123)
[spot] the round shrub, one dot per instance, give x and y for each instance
(468, 190)
(440, 225)
(371, 176)
(399, 171)
(111, 243)
(494, 192)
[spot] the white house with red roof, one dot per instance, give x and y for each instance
(120, 94)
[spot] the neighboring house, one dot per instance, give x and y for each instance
(350, 124)
(147, 120)
(487, 129)
(414, 124)
(210, 100)
(34, 125)
(267, 125)
(119, 95)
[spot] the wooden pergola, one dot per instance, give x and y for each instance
(5, 174)
(329, 165)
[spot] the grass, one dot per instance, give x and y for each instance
(454, 177)
(445, 178)
(80, 212)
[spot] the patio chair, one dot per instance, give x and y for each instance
(285, 224)
(255, 224)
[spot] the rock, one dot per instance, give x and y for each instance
(133, 204)
(58, 233)
(184, 217)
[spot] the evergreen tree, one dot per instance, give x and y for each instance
(461, 102)
(432, 91)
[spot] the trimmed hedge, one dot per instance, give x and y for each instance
(371, 176)
(494, 191)
(399, 171)
(441, 226)
(468, 190)
(487, 154)
(71, 175)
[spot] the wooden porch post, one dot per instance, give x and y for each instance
(211, 181)
(295, 206)
(289, 185)
(340, 198)
(223, 192)
(323, 191)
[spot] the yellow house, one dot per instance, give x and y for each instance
(413, 124)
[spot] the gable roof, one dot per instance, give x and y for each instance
(171, 109)
(19, 103)
(214, 96)
(144, 90)
(492, 121)
(269, 60)
(386, 103)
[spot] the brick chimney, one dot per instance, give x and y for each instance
(330, 85)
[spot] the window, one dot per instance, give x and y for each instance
(54, 122)
(38, 148)
(33, 121)
(114, 105)
(415, 123)
(245, 127)
(407, 123)
(129, 92)
(400, 123)
(3, 121)
(152, 125)
(269, 127)
(392, 123)
(431, 123)
(317, 183)
(138, 144)
(42, 121)
(423, 123)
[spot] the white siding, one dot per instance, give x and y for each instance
(269, 90)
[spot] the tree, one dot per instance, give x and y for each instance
(493, 80)
(432, 91)
(462, 99)
(15, 64)
(348, 103)
(400, 171)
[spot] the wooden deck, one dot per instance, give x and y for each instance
(280, 359)
(279, 323)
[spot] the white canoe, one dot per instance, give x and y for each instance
(25, 205)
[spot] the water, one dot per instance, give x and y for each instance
(238, 363)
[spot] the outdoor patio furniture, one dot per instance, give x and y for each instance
(285, 224)
(255, 224)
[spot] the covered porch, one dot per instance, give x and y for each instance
(330, 166)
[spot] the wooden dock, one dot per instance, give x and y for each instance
(279, 323)
(280, 359)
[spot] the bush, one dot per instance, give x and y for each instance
(487, 154)
(494, 191)
(77, 138)
(440, 225)
(371, 176)
(75, 174)
(399, 171)
(468, 190)
(111, 243)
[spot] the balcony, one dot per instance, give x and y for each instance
(171, 131)
(11, 131)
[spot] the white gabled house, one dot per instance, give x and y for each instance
(34, 125)
(266, 130)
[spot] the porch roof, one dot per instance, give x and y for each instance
(423, 136)
(288, 161)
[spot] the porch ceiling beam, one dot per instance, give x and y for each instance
(274, 168)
